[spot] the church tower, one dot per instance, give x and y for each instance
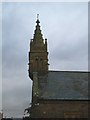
(38, 55)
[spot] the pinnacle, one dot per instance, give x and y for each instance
(37, 33)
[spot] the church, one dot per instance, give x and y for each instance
(55, 94)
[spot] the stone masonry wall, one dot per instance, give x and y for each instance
(60, 109)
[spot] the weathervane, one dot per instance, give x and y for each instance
(37, 16)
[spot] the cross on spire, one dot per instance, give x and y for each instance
(37, 16)
(37, 19)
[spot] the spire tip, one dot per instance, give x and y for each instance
(37, 16)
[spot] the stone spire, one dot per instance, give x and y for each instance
(37, 33)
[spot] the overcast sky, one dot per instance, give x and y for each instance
(65, 25)
(44, 0)
(0, 57)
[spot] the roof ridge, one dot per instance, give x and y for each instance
(70, 71)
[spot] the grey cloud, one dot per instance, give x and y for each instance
(16, 95)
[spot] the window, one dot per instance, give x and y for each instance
(36, 59)
(40, 59)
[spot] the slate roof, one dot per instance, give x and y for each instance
(64, 85)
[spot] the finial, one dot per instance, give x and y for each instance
(38, 19)
(37, 16)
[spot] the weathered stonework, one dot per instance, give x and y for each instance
(38, 55)
(60, 109)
